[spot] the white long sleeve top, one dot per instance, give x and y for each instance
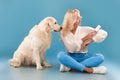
(73, 42)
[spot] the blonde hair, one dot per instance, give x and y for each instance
(68, 22)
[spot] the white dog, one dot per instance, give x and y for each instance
(32, 49)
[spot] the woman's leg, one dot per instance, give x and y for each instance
(68, 61)
(88, 65)
(93, 61)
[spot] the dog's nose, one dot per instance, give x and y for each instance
(60, 28)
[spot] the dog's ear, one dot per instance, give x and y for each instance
(50, 22)
(48, 27)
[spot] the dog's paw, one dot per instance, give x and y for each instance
(39, 67)
(14, 63)
(47, 65)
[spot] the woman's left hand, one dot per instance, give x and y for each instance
(84, 45)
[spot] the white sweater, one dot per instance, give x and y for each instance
(73, 42)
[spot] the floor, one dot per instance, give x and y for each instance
(30, 73)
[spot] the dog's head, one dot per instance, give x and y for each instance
(51, 24)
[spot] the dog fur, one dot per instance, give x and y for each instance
(32, 49)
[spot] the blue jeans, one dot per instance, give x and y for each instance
(79, 61)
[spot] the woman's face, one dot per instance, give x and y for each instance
(78, 19)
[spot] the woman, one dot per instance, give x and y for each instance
(76, 40)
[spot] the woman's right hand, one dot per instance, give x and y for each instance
(93, 33)
(89, 36)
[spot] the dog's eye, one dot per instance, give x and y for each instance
(55, 22)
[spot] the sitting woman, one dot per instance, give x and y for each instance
(76, 40)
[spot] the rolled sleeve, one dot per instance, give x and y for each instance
(100, 36)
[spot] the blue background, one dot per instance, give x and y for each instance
(17, 17)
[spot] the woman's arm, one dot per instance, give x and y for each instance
(89, 36)
(94, 37)
(86, 43)
(100, 36)
(88, 39)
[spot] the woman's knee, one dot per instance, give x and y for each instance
(100, 57)
(61, 56)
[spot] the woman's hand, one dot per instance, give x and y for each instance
(89, 36)
(86, 43)
(88, 39)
